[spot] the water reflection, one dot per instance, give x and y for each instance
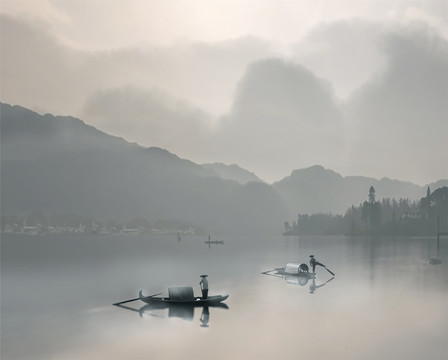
(205, 316)
(303, 280)
(182, 311)
(436, 260)
(109, 267)
(314, 287)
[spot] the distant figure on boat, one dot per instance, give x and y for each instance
(178, 237)
(204, 286)
(314, 263)
(205, 316)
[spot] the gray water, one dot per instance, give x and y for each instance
(386, 301)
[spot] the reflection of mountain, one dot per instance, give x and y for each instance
(59, 164)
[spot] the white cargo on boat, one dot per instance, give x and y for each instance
(292, 268)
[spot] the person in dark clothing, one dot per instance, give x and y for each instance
(204, 286)
(314, 263)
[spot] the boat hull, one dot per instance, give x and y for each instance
(196, 301)
(304, 274)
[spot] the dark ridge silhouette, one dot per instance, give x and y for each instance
(59, 164)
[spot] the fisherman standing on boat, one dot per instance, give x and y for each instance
(204, 286)
(314, 262)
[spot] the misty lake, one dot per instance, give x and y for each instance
(386, 301)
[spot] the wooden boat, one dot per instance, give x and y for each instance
(210, 241)
(214, 242)
(182, 296)
(292, 269)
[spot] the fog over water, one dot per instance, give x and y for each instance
(386, 301)
(233, 118)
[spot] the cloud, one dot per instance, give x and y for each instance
(279, 114)
(344, 52)
(35, 69)
(203, 73)
(42, 10)
(283, 116)
(152, 118)
(38, 71)
(433, 13)
(126, 23)
(399, 119)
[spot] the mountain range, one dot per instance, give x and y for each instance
(317, 190)
(60, 164)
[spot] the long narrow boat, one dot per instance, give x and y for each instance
(292, 269)
(182, 296)
(210, 241)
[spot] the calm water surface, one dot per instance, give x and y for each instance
(386, 301)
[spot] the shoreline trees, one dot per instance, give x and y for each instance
(401, 217)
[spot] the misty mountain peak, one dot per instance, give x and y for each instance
(315, 171)
(233, 172)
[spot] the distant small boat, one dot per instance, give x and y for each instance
(184, 296)
(210, 241)
(214, 242)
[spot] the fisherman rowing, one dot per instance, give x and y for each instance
(314, 263)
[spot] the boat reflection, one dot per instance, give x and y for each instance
(205, 316)
(182, 311)
(314, 287)
(303, 280)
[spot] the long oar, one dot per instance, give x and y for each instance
(269, 273)
(125, 307)
(126, 301)
(318, 263)
(331, 272)
(130, 300)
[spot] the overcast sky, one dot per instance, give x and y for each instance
(360, 87)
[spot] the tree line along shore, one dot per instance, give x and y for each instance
(401, 217)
